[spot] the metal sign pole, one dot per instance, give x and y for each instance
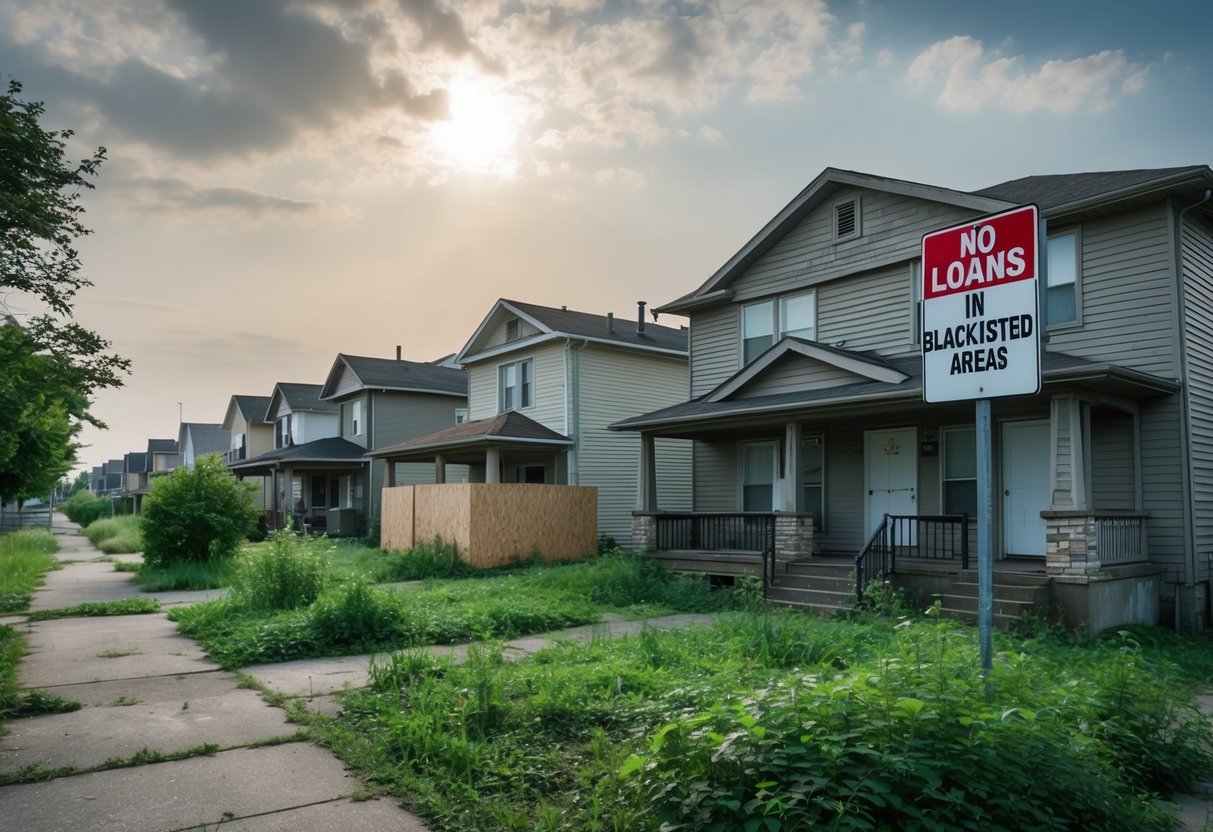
(985, 539)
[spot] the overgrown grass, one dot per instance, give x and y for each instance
(93, 609)
(116, 535)
(782, 721)
(25, 556)
(185, 575)
(14, 702)
(352, 616)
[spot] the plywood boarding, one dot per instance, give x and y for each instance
(396, 525)
(558, 522)
(444, 511)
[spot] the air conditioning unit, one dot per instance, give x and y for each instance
(344, 522)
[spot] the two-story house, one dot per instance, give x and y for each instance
(543, 384)
(381, 402)
(806, 400)
(252, 434)
(195, 439)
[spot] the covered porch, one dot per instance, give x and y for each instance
(319, 486)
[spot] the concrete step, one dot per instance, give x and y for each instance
(966, 604)
(1001, 622)
(969, 576)
(825, 582)
(1011, 592)
(815, 599)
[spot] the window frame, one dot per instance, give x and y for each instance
(778, 304)
(1075, 232)
(743, 481)
(527, 386)
(944, 479)
(461, 415)
(819, 522)
(356, 425)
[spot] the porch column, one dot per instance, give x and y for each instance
(793, 476)
(288, 498)
(646, 485)
(1068, 468)
(439, 469)
(492, 465)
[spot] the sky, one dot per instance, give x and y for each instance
(287, 180)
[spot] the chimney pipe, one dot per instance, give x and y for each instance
(398, 352)
(640, 317)
(611, 322)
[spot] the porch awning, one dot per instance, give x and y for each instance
(471, 439)
(712, 410)
(330, 453)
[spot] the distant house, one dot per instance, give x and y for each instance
(251, 431)
(134, 478)
(808, 420)
(161, 457)
(195, 439)
(543, 384)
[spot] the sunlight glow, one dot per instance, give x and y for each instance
(482, 133)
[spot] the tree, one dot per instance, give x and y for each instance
(196, 515)
(40, 220)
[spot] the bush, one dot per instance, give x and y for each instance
(197, 515)
(286, 574)
(356, 613)
(429, 560)
(84, 507)
(116, 535)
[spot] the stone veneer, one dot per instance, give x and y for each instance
(793, 535)
(1070, 543)
(644, 532)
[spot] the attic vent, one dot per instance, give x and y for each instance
(511, 330)
(846, 219)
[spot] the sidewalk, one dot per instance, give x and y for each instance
(151, 692)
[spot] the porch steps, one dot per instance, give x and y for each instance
(1014, 595)
(826, 587)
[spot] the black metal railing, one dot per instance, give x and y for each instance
(739, 532)
(928, 537)
(235, 455)
(1120, 537)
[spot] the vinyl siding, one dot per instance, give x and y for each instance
(496, 336)
(717, 474)
(348, 383)
(396, 417)
(1112, 470)
(1196, 255)
(308, 427)
(715, 347)
(869, 311)
(548, 386)
(615, 385)
(795, 372)
(346, 409)
(1127, 289)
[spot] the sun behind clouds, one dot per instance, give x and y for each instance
(482, 134)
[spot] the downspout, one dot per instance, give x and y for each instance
(1186, 433)
(572, 411)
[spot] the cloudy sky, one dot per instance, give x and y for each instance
(290, 179)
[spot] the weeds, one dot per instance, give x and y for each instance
(116, 535)
(128, 606)
(25, 556)
(287, 573)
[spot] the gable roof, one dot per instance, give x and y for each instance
(328, 449)
(252, 408)
(819, 191)
(397, 375)
(1071, 191)
(206, 438)
(135, 462)
(300, 398)
(863, 365)
(510, 427)
(161, 446)
(568, 323)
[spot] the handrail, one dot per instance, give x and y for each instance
(876, 547)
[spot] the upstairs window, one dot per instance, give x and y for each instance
(356, 419)
(282, 432)
(514, 385)
(792, 315)
(847, 220)
(1061, 293)
(461, 415)
(511, 330)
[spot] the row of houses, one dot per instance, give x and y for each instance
(784, 430)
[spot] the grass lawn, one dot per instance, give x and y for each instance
(25, 556)
(116, 535)
(782, 721)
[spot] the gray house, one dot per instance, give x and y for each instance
(813, 444)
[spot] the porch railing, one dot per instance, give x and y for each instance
(738, 532)
(928, 537)
(235, 455)
(1120, 537)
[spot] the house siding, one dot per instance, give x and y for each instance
(716, 347)
(347, 383)
(496, 336)
(614, 385)
(347, 419)
(794, 373)
(1196, 264)
(869, 311)
(1113, 475)
(548, 408)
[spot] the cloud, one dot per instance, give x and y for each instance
(167, 197)
(630, 179)
(968, 79)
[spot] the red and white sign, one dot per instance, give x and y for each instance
(980, 308)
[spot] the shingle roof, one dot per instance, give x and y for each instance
(162, 446)
(588, 325)
(300, 397)
(510, 426)
(1049, 191)
(136, 462)
(329, 449)
(206, 438)
(253, 408)
(392, 374)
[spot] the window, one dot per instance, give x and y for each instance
(1061, 294)
(758, 465)
(812, 468)
(511, 330)
(847, 220)
(797, 316)
(356, 419)
(514, 385)
(461, 415)
(318, 495)
(960, 471)
(282, 432)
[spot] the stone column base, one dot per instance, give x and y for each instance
(793, 535)
(1071, 546)
(644, 532)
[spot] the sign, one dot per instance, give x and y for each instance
(980, 308)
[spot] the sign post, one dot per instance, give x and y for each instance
(980, 340)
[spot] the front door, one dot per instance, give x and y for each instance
(891, 474)
(1025, 486)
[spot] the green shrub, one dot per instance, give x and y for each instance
(85, 507)
(197, 515)
(355, 613)
(429, 560)
(116, 535)
(184, 575)
(287, 573)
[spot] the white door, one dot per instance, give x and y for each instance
(1025, 486)
(891, 474)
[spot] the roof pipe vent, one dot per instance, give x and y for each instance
(398, 352)
(611, 322)
(640, 317)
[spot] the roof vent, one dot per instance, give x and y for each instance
(640, 317)
(398, 352)
(511, 330)
(846, 219)
(611, 322)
